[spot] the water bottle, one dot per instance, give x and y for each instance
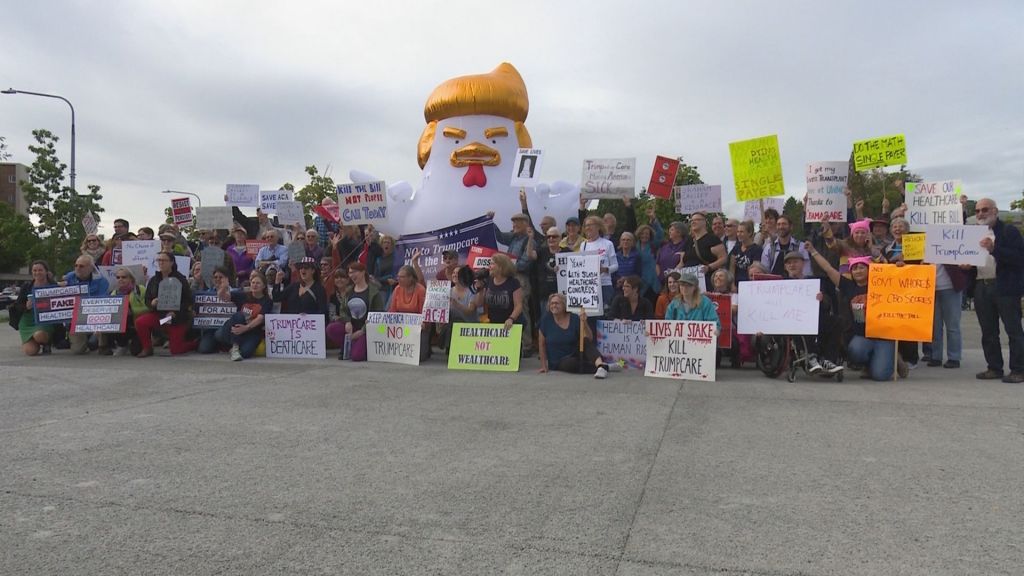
(346, 347)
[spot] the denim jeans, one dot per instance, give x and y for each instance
(878, 355)
(992, 308)
(247, 342)
(947, 313)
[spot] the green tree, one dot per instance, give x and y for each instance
(320, 186)
(18, 238)
(873, 186)
(794, 210)
(57, 209)
(1017, 204)
(664, 209)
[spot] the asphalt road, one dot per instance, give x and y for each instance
(198, 465)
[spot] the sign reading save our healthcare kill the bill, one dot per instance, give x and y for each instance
(933, 203)
(681, 349)
(757, 168)
(295, 336)
(393, 337)
(485, 347)
(363, 203)
(107, 315)
(57, 304)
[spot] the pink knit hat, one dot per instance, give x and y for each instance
(864, 225)
(865, 260)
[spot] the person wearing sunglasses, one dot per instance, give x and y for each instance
(127, 342)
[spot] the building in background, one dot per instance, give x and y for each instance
(11, 176)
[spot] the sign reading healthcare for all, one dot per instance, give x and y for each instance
(106, 315)
(485, 347)
(57, 304)
(933, 203)
(879, 152)
(211, 311)
(826, 196)
(608, 178)
(579, 278)
(363, 203)
(681, 349)
(393, 337)
(757, 168)
(295, 336)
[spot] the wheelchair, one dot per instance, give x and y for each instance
(777, 354)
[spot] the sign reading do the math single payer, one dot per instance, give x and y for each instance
(826, 196)
(698, 198)
(879, 152)
(393, 337)
(757, 168)
(485, 347)
(579, 278)
(900, 302)
(788, 307)
(100, 315)
(363, 203)
(56, 304)
(295, 336)
(931, 203)
(608, 178)
(623, 342)
(681, 349)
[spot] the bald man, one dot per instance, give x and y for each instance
(85, 273)
(998, 292)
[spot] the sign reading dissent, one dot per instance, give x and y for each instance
(757, 168)
(486, 347)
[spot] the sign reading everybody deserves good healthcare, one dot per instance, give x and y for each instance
(295, 336)
(757, 168)
(485, 347)
(102, 315)
(681, 349)
(393, 337)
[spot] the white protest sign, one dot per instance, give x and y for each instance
(623, 342)
(214, 218)
(579, 278)
(752, 208)
(699, 271)
(933, 203)
(698, 198)
(608, 178)
(826, 185)
(270, 198)
(139, 252)
(437, 304)
(290, 212)
(89, 223)
(393, 337)
(243, 195)
(363, 203)
(526, 168)
(295, 336)
(681, 349)
(955, 244)
(778, 307)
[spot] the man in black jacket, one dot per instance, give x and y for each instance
(997, 294)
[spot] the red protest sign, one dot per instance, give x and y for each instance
(480, 257)
(663, 177)
(252, 247)
(181, 212)
(723, 304)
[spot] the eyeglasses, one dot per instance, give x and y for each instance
(121, 277)
(985, 210)
(93, 240)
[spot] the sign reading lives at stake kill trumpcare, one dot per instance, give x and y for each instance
(295, 336)
(879, 152)
(698, 198)
(108, 315)
(181, 212)
(438, 302)
(622, 342)
(933, 203)
(955, 245)
(393, 337)
(363, 203)
(757, 168)
(243, 195)
(900, 302)
(663, 177)
(270, 198)
(485, 347)
(681, 349)
(56, 304)
(778, 307)
(826, 196)
(608, 178)
(526, 168)
(579, 278)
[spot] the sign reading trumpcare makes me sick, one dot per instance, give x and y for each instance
(486, 347)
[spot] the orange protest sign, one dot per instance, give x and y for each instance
(901, 302)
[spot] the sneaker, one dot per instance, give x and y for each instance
(927, 359)
(989, 374)
(934, 363)
(1014, 378)
(902, 368)
(121, 351)
(830, 367)
(601, 373)
(912, 365)
(106, 352)
(46, 349)
(951, 364)
(813, 367)
(236, 354)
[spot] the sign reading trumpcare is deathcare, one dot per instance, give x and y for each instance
(295, 336)
(393, 337)
(757, 168)
(485, 347)
(681, 349)
(879, 152)
(363, 203)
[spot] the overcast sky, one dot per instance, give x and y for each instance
(191, 95)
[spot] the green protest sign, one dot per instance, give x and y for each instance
(486, 347)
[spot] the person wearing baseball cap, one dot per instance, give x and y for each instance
(822, 349)
(690, 304)
(305, 296)
(572, 239)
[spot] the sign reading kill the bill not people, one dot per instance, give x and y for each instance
(242, 195)
(214, 218)
(56, 304)
(89, 223)
(622, 342)
(270, 198)
(788, 307)
(295, 336)
(209, 311)
(526, 168)
(681, 349)
(879, 152)
(931, 203)
(290, 213)
(363, 203)
(826, 196)
(181, 212)
(723, 305)
(100, 315)
(698, 198)
(460, 238)
(955, 245)
(757, 168)
(437, 304)
(900, 302)
(663, 177)
(393, 337)
(485, 347)
(608, 178)
(752, 209)
(579, 278)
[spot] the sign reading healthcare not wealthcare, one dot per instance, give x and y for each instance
(181, 212)
(663, 177)
(623, 342)
(579, 278)
(780, 307)
(933, 203)
(100, 315)
(681, 349)
(393, 337)
(879, 152)
(698, 198)
(270, 198)
(608, 178)
(243, 195)
(214, 218)
(485, 347)
(210, 311)
(526, 168)
(900, 302)
(363, 203)
(826, 196)
(955, 245)
(757, 168)
(438, 302)
(57, 304)
(295, 336)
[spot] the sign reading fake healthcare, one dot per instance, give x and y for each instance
(879, 152)
(931, 203)
(485, 347)
(900, 302)
(579, 278)
(681, 349)
(363, 203)
(295, 336)
(57, 304)
(101, 315)
(826, 185)
(780, 307)
(393, 337)
(526, 169)
(608, 178)
(663, 177)
(698, 198)
(623, 342)
(757, 168)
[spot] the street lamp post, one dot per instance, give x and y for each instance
(196, 196)
(66, 101)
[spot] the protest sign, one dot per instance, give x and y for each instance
(214, 218)
(295, 336)
(438, 301)
(879, 152)
(723, 305)
(211, 258)
(579, 278)
(89, 223)
(393, 337)
(270, 198)
(608, 178)
(479, 257)
(933, 203)
(56, 304)
(181, 212)
(363, 203)
(663, 177)
(210, 311)
(757, 168)
(296, 252)
(486, 347)
(699, 271)
(107, 315)
(752, 209)
(913, 246)
(698, 198)
(139, 252)
(243, 195)
(788, 307)
(901, 302)
(183, 263)
(169, 295)
(622, 342)
(291, 213)
(460, 238)
(681, 349)
(826, 196)
(110, 273)
(252, 247)
(526, 168)
(955, 245)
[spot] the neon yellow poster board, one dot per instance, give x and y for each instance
(913, 247)
(879, 152)
(485, 347)
(757, 168)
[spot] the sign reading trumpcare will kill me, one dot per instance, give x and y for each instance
(485, 347)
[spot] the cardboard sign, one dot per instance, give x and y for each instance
(89, 223)
(169, 295)
(243, 195)
(787, 307)
(214, 218)
(291, 213)
(608, 178)
(460, 237)
(663, 177)
(364, 203)
(438, 303)
(479, 257)
(485, 347)
(723, 305)
(296, 252)
(913, 246)
(752, 209)
(579, 278)
(252, 247)
(210, 312)
(698, 198)
(879, 152)
(681, 349)
(270, 198)
(757, 168)
(295, 336)
(955, 245)
(393, 337)
(181, 212)
(931, 203)
(526, 168)
(622, 342)
(211, 258)
(139, 252)
(901, 302)
(103, 315)
(56, 304)
(826, 196)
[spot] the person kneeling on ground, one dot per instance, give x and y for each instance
(353, 309)
(244, 330)
(559, 341)
(175, 322)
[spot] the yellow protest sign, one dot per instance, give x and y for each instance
(757, 168)
(913, 246)
(901, 302)
(878, 152)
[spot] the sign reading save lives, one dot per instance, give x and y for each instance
(487, 347)
(757, 168)
(681, 349)
(393, 337)
(363, 203)
(879, 152)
